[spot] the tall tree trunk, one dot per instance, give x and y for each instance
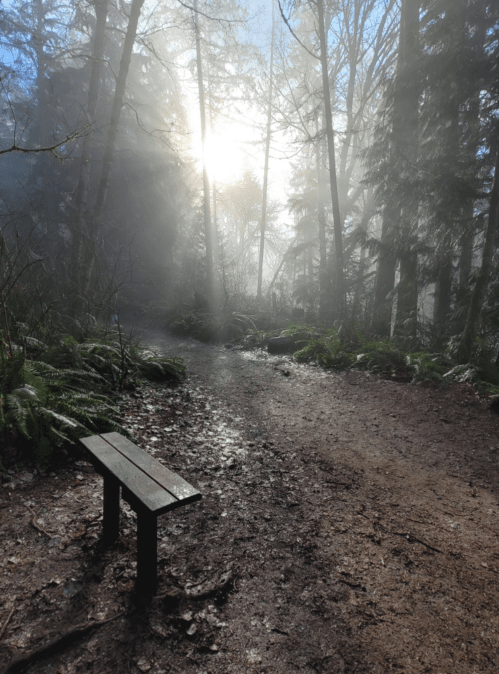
(451, 135)
(465, 263)
(385, 275)
(472, 143)
(43, 126)
(479, 291)
(398, 230)
(364, 224)
(80, 205)
(324, 287)
(263, 223)
(119, 96)
(208, 230)
(443, 293)
(339, 286)
(407, 295)
(217, 251)
(281, 264)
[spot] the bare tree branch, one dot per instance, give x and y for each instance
(286, 21)
(50, 148)
(207, 16)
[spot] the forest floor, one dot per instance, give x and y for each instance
(349, 524)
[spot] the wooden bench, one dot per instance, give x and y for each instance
(147, 486)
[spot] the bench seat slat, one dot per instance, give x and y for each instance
(148, 492)
(173, 483)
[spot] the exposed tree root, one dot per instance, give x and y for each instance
(55, 645)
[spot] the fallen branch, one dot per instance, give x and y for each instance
(57, 644)
(36, 526)
(201, 590)
(6, 622)
(208, 589)
(409, 537)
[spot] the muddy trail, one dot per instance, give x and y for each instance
(349, 524)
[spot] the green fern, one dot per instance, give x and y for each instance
(159, 368)
(64, 394)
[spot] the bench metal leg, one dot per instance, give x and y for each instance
(111, 525)
(147, 553)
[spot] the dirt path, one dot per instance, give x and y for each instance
(349, 524)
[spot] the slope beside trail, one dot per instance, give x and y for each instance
(349, 524)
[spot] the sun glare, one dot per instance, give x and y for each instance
(225, 158)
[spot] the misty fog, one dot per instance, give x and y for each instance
(333, 161)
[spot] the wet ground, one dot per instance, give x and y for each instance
(348, 524)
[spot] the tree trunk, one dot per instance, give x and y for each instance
(468, 337)
(407, 295)
(443, 297)
(263, 223)
(339, 286)
(43, 126)
(472, 142)
(453, 141)
(324, 287)
(399, 226)
(281, 264)
(208, 230)
(465, 264)
(385, 275)
(80, 205)
(359, 284)
(119, 96)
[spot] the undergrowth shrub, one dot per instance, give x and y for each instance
(212, 327)
(325, 350)
(44, 407)
(53, 395)
(381, 357)
(387, 357)
(235, 321)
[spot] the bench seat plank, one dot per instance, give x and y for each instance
(173, 483)
(148, 492)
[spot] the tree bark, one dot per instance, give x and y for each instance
(339, 286)
(443, 296)
(208, 230)
(407, 295)
(385, 275)
(359, 284)
(119, 96)
(465, 263)
(79, 205)
(324, 287)
(451, 136)
(263, 223)
(399, 226)
(468, 337)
